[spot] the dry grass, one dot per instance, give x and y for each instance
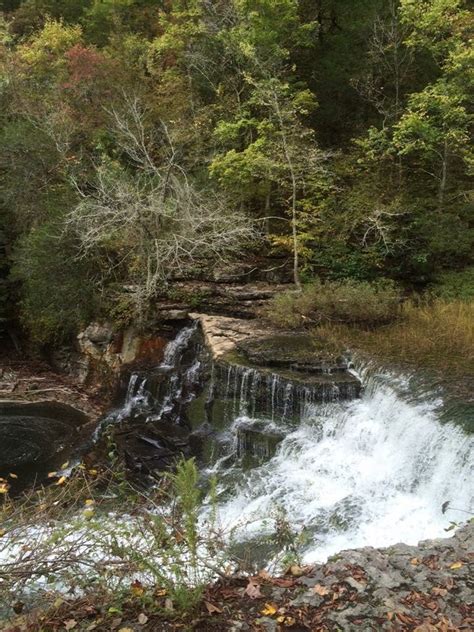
(347, 301)
(438, 335)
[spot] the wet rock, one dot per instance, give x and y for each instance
(296, 351)
(149, 448)
(258, 438)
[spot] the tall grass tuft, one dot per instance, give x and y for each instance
(437, 335)
(336, 302)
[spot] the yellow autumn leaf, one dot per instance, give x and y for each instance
(89, 502)
(52, 474)
(88, 513)
(137, 589)
(296, 570)
(456, 565)
(4, 487)
(269, 610)
(61, 480)
(12, 475)
(2, 533)
(93, 472)
(65, 465)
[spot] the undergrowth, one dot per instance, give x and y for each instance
(95, 543)
(436, 335)
(335, 302)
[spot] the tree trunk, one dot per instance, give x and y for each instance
(294, 191)
(444, 177)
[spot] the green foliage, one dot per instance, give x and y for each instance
(57, 295)
(455, 285)
(342, 129)
(336, 302)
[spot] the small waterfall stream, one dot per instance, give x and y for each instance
(347, 471)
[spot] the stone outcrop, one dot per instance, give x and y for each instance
(222, 334)
(235, 300)
(272, 367)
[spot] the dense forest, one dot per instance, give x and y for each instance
(142, 139)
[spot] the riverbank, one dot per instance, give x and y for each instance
(24, 379)
(424, 588)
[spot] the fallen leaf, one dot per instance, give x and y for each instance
(269, 610)
(126, 630)
(169, 604)
(142, 618)
(13, 475)
(70, 624)
(282, 582)
(320, 590)
(442, 592)
(415, 561)
(93, 472)
(264, 574)
(136, 588)
(253, 590)
(58, 602)
(65, 465)
(296, 570)
(89, 502)
(4, 487)
(456, 565)
(61, 480)
(426, 627)
(211, 608)
(52, 474)
(389, 616)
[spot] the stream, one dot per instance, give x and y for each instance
(344, 471)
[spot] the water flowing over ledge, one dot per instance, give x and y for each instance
(347, 471)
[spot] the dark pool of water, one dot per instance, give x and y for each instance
(36, 438)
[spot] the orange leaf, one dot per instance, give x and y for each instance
(321, 590)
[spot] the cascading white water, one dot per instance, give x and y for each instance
(374, 471)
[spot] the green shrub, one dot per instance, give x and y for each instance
(57, 289)
(336, 302)
(455, 285)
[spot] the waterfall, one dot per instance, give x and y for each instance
(280, 396)
(160, 393)
(348, 471)
(374, 471)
